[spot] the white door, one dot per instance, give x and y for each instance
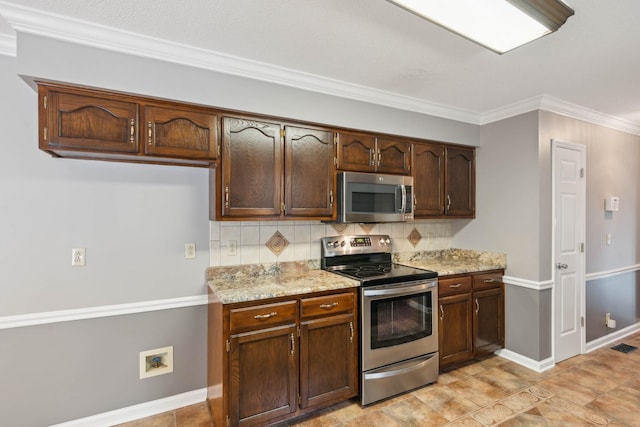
(568, 241)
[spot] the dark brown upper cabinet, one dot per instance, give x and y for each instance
(362, 152)
(428, 179)
(92, 124)
(179, 132)
(309, 173)
(251, 167)
(460, 182)
(274, 170)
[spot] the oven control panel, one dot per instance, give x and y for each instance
(343, 245)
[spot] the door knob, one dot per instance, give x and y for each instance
(560, 266)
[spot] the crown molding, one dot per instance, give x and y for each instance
(37, 22)
(8, 44)
(31, 21)
(558, 106)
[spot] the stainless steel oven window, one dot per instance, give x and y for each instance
(400, 320)
(413, 346)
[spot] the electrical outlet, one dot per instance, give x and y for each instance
(189, 250)
(232, 248)
(78, 258)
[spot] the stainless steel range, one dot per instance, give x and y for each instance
(398, 327)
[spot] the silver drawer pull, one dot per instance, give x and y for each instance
(489, 280)
(265, 316)
(457, 285)
(329, 306)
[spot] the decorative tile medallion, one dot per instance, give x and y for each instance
(414, 237)
(366, 227)
(340, 228)
(277, 243)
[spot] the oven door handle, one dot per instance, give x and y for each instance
(399, 290)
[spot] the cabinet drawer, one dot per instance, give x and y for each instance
(454, 286)
(262, 316)
(489, 280)
(328, 304)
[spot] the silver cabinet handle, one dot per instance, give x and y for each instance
(351, 330)
(560, 266)
(265, 316)
(132, 137)
(329, 306)
(372, 157)
(457, 285)
(379, 157)
(448, 202)
(331, 198)
(293, 345)
(441, 312)
(226, 196)
(477, 306)
(489, 280)
(150, 133)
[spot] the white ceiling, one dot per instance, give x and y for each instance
(593, 61)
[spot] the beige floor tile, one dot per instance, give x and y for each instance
(479, 392)
(446, 402)
(503, 380)
(412, 411)
(166, 419)
(193, 416)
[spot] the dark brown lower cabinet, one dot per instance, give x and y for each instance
(263, 372)
(471, 321)
(281, 358)
(328, 364)
(488, 322)
(455, 330)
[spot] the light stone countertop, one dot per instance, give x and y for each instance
(253, 282)
(240, 283)
(453, 261)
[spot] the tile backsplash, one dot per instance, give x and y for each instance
(253, 242)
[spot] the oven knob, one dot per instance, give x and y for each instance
(343, 243)
(387, 241)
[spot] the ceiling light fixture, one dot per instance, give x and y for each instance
(499, 25)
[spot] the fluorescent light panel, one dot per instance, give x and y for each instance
(495, 24)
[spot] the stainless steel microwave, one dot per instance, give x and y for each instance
(372, 197)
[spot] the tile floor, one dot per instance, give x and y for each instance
(599, 388)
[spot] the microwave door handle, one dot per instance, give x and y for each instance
(403, 208)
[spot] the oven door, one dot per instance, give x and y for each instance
(398, 322)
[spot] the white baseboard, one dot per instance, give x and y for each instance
(141, 410)
(534, 365)
(612, 337)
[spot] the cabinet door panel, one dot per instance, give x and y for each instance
(356, 152)
(182, 133)
(251, 168)
(328, 360)
(455, 329)
(460, 182)
(91, 123)
(263, 375)
(428, 179)
(309, 173)
(488, 325)
(393, 157)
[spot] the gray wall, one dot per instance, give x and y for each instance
(134, 220)
(507, 196)
(508, 220)
(613, 169)
(514, 216)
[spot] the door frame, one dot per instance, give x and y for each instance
(580, 271)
